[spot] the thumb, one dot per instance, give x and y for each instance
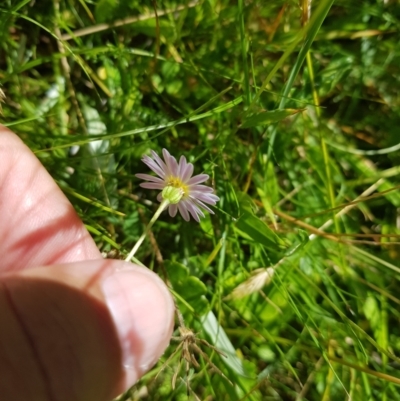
(82, 331)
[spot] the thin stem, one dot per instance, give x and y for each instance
(125, 21)
(246, 81)
(160, 209)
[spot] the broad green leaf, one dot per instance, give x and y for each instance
(221, 341)
(206, 225)
(259, 232)
(190, 288)
(246, 203)
(193, 288)
(177, 273)
(268, 117)
(372, 312)
(267, 204)
(149, 27)
(98, 161)
(170, 70)
(105, 9)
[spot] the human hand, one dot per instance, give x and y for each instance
(73, 326)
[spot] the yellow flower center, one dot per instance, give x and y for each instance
(176, 182)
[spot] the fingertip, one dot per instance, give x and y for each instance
(143, 312)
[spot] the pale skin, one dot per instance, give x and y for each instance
(73, 326)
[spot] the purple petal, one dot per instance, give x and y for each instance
(201, 204)
(170, 161)
(197, 179)
(159, 197)
(152, 165)
(148, 177)
(187, 172)
(183, 211)
(200, 188)
(194, 211)
(159, 161)
(207, 198)
(182, 165)
(172, 209)
(152, 185)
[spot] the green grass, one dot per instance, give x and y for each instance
(297, 123)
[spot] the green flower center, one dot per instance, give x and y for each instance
(176, 182)
(172, 194)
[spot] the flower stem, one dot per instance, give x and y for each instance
(161, 208)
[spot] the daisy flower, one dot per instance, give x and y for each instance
(192, 197)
